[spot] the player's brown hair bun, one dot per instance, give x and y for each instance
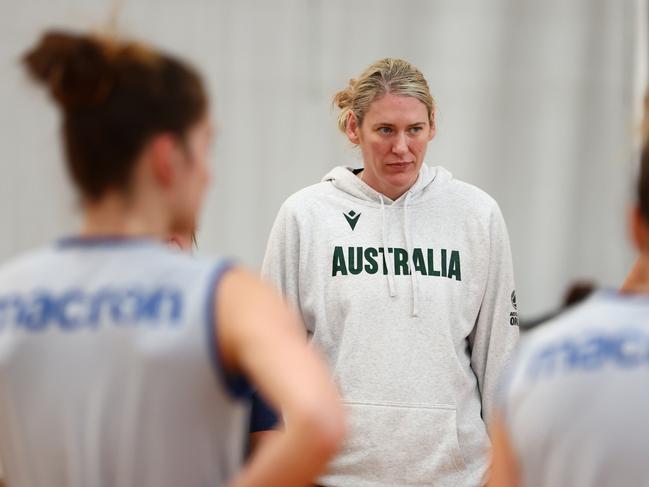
(115, 95)
(77, 69)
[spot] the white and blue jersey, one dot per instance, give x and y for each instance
(109, 369)
(576, 399)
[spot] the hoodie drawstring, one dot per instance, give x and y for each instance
(344, 179)
(389, 261)
(414, 282)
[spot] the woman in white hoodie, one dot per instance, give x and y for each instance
(403, 277)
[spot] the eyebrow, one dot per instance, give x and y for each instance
(386, 124)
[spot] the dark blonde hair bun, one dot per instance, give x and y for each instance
(388, 75)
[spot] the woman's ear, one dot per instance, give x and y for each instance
(433, 128)
(352, 129)
(161, 152)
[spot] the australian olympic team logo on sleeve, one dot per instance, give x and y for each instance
(513, 315)
(75, 309)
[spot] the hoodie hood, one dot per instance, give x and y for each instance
(344, 179)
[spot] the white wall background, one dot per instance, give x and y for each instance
(536, 101)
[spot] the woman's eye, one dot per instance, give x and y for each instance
(416, 130)
(385, 130)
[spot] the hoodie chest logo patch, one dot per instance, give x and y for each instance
(352, 218)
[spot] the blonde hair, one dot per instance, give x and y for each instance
(388, 75)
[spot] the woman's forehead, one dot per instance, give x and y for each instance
(398, 108)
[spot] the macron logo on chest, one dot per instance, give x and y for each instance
(352, 218)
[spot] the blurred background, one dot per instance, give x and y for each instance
(538, 104)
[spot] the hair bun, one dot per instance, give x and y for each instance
(75, 68)
(343, 99)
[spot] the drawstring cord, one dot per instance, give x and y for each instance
(414, 279)
(389, 261)
(414, 282)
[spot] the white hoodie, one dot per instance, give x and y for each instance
(416, 355)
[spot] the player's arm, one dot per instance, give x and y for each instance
(258, 438)
(495, 333)
(504, 465)
(259, 337)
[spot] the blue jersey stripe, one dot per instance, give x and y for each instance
(91, 241)
(236, 385)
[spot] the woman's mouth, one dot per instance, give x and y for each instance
(399, 164)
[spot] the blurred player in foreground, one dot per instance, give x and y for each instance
(122, 362)
(573, 408)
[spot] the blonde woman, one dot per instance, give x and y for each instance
(403, 276)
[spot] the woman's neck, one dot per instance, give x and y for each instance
(637, 281)
(392, 192)
(117, 215)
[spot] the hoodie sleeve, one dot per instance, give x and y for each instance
(281, 261)
(495, 333)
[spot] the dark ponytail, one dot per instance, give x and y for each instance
(114, 97)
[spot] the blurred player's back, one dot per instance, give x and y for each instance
(108, 373)
(576, 405)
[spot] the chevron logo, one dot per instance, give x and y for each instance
(352, 218)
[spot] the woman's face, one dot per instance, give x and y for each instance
(393, 137)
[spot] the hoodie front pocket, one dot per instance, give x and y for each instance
(400, 444)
